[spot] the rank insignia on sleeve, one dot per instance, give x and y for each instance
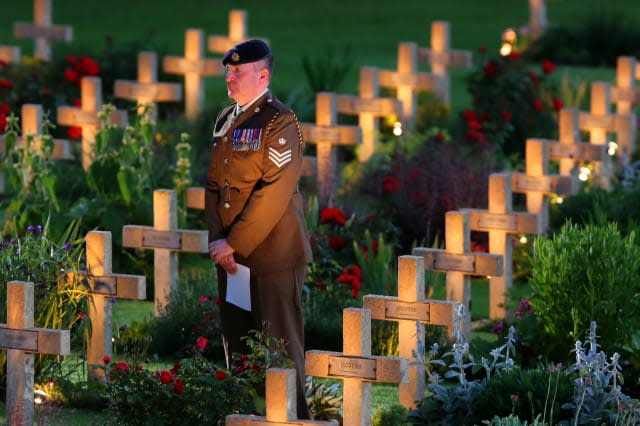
(279, 158)
(282, 141)
(246, 140)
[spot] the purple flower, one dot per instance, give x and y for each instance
(66, 246)
(39, 228)
(30, 228)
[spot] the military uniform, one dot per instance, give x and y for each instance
(252, 201)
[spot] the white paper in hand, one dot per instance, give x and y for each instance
(238, 288)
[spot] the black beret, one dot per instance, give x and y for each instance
(246, 52)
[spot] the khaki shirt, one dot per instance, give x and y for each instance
(251, 196)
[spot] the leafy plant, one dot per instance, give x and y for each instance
(569, 292)
(325, 401)
(394, 415)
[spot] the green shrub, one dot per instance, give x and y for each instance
(583, 274)
(394, 415)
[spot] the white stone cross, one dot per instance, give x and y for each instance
(166, 240)
(459, 262)
(626, 94)
(104, 285)
(537, 183)
(87, 116)
(21, 340)
(147, 90)
(440, 57)
(326, 134)
(356, 367)
(194, 66)
(237, 33)
(42, 30)
(500, 221)
(411, 311)
(368, 107)
(280, 403)
(537, 19)
(407, 81)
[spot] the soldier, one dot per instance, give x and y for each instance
(254, 210)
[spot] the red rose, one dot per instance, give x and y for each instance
(6, 84)
(390, 183)
(166, 377)
(548, 67)
(515, 55)
(88, 66)
(490, 69)
(203, 299)
(537, 105)
(72, 59)
(81, 315)
(71, 75)
(506, 115)
(469, 115)
(332, 215)
(201, 343)
(557, 104)
(77, 103)
(5, 108)
(221, 375)
(106, 359)
(3, 121)
(337, 243)
(476, 136)
(121, 365)
(474, 125)
(178, 387)
(74, 132)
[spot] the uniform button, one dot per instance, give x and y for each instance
(226, 161)
(224, 139)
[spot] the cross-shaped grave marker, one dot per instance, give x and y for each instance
(356, 367)
(626, 94)
(601, 121)
(237, 33)
(21, 340)
(569, 150)
(326, 134)
(32, 120)
(500, 221)
(459, 262)
(87, 116)
(368, 107)
(411, 311)
(147, 89)
(166, 240)
(42, 30)
(280, 403)
(440, 57)
(537, 19)
(10, 54)
(105, 285)
(537, 183)
(193, 66)
(407, 81)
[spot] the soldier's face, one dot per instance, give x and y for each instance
(246, 81)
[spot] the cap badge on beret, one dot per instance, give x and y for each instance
(246, 52)
(235, 57)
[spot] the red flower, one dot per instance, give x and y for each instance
(482, 49)
(438, 137)
(221, 375)
(201, 343)
(122, 365)
(74, 132)
(5, 108)
(72, 59)
(514, 55)
(203, 299)
(548, 67)
(390, 183)
(106, 359)
(490, 69)
(77, 103)
(474, 125)
(506, 115)
(537, 105)
(178, 387)
(217, 300)
(6, 84)
(88, 66)
(81, 315)
(476, 136)
(166, 377)
(469, 115)
(332, 215)
(557, 104)
(71, 75)
(3, 121)
(337, 243)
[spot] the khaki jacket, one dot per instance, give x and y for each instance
(251, 196)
